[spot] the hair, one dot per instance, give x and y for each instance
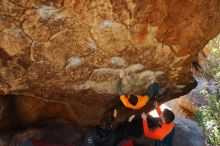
(153, 122)
(168, 116)
(133, 99)
(196, 65)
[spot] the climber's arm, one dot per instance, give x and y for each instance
(119, 82)
(119, 86)
(159, 112)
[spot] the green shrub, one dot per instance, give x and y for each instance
(209, 119)
(208, 116)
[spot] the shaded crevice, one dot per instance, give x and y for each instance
(28, 109)
(9, 117)
(4, 57)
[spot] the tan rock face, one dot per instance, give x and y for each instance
(70, 51)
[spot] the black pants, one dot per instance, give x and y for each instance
(153, 91)
(135, 128)
(167, 141)
(127, 130)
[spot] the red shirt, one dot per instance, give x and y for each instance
(159, 133)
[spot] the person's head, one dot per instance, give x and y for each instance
(195, 66)
(168, 116)
(132, 99)
(153, 122)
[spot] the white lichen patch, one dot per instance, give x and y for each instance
(73, 63)
(102, 87)
(15, 32)
(106, 24)
(159, 73)
(146, 75)
(43, 62)
(92, 45)
(103, 70)
(104, 74)
(180, 86)
(49, 13)
(134, 68)
(118, 61)
(81, 87)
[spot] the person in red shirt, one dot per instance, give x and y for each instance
(164, 133)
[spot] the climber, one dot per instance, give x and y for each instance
(162, 135)
(124, 132)
(104, 135)
(136, 102)
(133, 129)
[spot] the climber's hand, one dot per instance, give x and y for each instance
(156, 104)
(122, 73)
(131, 118)
(115, 113)
(144, 116)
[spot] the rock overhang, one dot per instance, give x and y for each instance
(71, 52)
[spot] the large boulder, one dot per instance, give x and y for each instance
(188, 133)
(67, 53)
(198, 96)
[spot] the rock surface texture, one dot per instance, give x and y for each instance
(61, 58)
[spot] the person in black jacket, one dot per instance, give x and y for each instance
(103, 134)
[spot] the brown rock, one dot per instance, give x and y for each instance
(70, 51)
(187, 102)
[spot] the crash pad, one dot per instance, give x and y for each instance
(42, 143)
